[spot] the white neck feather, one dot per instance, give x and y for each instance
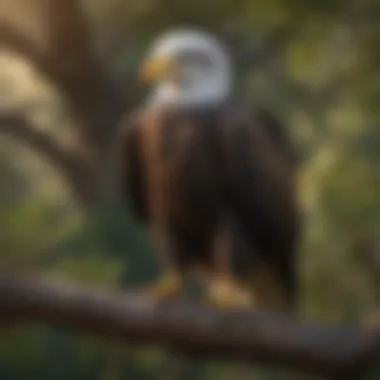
(207, 92)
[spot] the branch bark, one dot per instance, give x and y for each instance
(336, 352)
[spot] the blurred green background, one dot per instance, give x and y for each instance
(67, 75)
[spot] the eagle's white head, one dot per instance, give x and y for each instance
(188, 68)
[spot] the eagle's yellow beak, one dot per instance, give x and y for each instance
(155, 68)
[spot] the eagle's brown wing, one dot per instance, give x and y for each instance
(131, 161)
(259, 180)
(235, 169)
(277, 133)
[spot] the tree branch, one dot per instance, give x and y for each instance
(12, 39)
(71, 65)
(17, 126)
(71, 54)
(336, 352)
(70, 73)
(72, 163)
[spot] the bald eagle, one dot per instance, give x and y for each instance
(212, 179)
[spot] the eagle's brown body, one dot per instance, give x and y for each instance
(217, 189)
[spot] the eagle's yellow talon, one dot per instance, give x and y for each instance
(226, 294)
(168, 287)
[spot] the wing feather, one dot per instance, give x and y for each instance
(132, 167)
(259, 176)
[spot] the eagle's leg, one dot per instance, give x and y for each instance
(224, 288)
